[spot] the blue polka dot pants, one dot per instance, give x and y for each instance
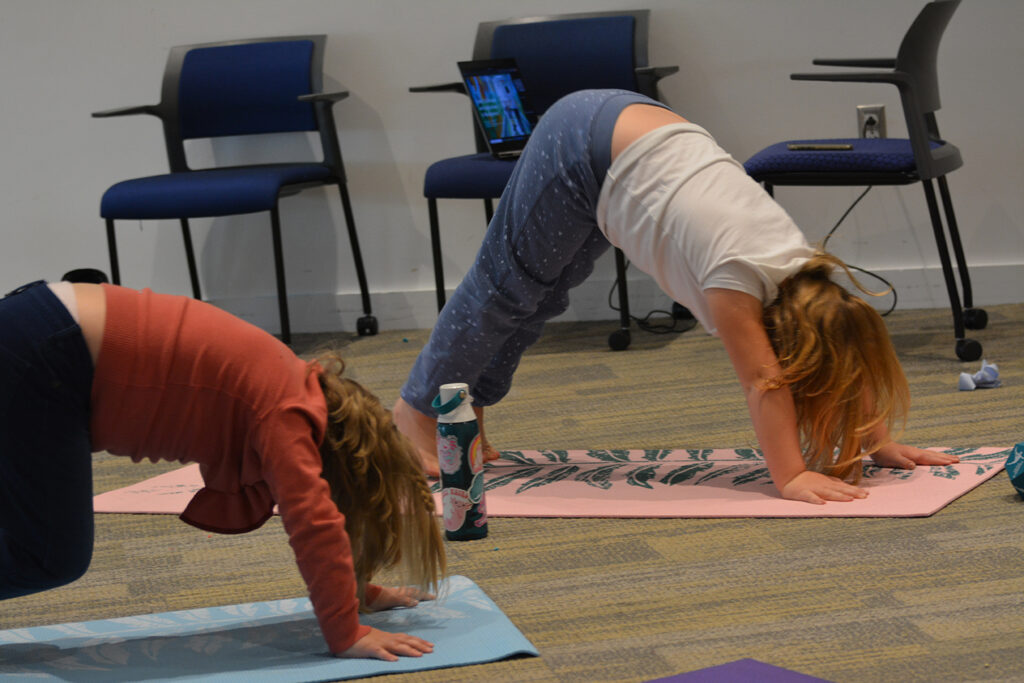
(542, 242)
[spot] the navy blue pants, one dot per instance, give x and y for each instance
(46, 518)
(542, 242)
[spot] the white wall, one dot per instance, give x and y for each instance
(60, 60)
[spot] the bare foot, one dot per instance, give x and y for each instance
(422, 431)
(490, 453)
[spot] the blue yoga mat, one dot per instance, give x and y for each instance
(271, 642)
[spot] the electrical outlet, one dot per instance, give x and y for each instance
(871, 120)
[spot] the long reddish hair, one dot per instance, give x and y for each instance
(839, 364)
(378, 484)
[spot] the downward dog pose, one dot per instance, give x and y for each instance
(85, 368)
(820, 376)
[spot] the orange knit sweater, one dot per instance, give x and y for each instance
(181, 380)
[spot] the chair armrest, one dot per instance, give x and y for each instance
(898, 78)
(656, 72)
(647, 78)
(866, 63)
(127, 111)
(458, 86)
(329, 97)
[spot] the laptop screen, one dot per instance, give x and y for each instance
(500, 102)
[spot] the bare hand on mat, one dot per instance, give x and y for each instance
(379, 644)
(814, 487)
(406, 596)
(908, 457)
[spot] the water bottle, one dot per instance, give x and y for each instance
(461, 460)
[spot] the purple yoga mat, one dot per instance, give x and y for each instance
(741, 671)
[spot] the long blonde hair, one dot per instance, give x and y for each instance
(839, 364)
(378, 484)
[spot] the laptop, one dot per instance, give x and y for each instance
(500, 104)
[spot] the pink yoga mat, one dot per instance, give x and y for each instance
(648, 483)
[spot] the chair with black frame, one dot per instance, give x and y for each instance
(556, 54)
(921, 157)
(238, 88)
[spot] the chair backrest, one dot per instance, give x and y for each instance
(559, 54)
(244, 87)
(918, 54)
(917, 59)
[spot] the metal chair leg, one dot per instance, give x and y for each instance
(282, 293)
(974, 318)
(115, 271)
(193, 272)
(620, 339)
(966, 349)
(435, 250)
(366, 325)
(357, 255)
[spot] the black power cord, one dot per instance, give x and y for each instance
(869, 273)
(681, 317)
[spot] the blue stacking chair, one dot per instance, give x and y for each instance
(921, 157)
(244, 87)
(557, 54)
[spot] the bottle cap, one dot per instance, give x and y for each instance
(453, 403)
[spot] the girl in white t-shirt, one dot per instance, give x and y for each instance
(820, 376)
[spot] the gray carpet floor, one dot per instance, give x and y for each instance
(926, 599)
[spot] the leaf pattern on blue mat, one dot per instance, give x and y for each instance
(685, 473)
(599, 476)
(551, 477)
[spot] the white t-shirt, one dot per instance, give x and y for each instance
(686, 213)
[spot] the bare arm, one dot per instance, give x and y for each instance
(738, 317)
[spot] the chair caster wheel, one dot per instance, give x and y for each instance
(968, 349)
(619, 340)
(366, 326)
(975, 318)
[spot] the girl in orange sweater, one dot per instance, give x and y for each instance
(86, 368)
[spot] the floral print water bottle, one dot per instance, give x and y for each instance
(461, 459)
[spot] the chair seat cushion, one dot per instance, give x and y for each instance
(474, 176)
(875, 155)
(212, 192)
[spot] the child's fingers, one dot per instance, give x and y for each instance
(936, 458)
(413, 595)
(410, 646)
(841, 491)
(811, 497)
